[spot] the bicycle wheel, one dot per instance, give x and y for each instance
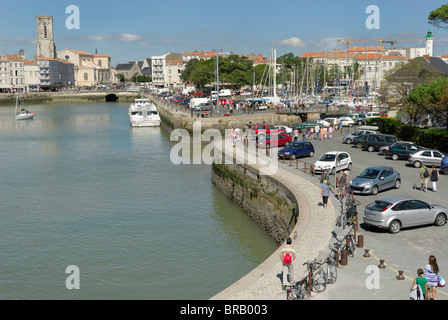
(319, 280)
(332, 273)
(351, 248)
(303, 292)
(292, 293)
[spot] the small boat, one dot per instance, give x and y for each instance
(22, 113)
(143, 113)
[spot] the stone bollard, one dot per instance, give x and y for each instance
(381, 265)
(366, 253)
(360, 241)
(400, 275)
(344, 257)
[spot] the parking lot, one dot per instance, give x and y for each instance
(406, 251)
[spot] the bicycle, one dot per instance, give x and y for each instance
(318, 276)
(325, 175)
(332, 271)
(298, 291)
(350, 244)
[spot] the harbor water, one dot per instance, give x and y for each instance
(80, 187)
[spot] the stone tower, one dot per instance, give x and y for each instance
(45, 39)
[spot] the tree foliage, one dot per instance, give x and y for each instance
(432, 97)
(439, 17)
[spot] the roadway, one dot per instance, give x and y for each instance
(406, 251)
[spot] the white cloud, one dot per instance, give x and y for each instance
(291, 42)
(125, 37)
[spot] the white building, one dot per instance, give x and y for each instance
(31, 73)
(158, 64)
(173, 71)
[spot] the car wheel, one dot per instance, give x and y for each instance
(333, 171)
(359, 145)
(348, 141)
(349, 167)
(293, 156)
(440, 219)
(395, 226)
(350, 125)
(384, 152)
(445, 170)
(311, 154)
(375, 190)
(370, 148)
(395, 156)
(417, 164)
(359, 123)
(397, 184)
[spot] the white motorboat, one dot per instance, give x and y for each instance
(143, 113)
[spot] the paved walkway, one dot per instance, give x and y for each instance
(361, 279)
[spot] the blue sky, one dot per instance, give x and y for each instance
(136, 29)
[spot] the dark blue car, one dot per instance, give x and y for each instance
(297, 149)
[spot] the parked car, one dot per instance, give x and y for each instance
(284, 128)
(372, 142)
(323, 123)
(349, 138)
(297, 149)
(402, 150)
(427, 157)
(346, 122)
(444, 165)
(374, 179)
(358, 118)
(273, 140)
(265, 128)
(373, 115)
(383, 149)
(331, 120)
(395, 213)
(333, 161)
(306, 125)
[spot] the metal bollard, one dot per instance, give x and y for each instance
(400, 275)
(381, 265)
(366, 253)
(360, 241)
(344, 257)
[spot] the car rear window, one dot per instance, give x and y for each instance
(378, 206)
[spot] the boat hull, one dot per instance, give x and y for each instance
(24, 116)
(145, 123)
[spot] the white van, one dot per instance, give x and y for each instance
(373, 115)
(196, 102)
(225, 93)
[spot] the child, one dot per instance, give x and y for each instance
(422, 282)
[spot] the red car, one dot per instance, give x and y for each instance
(267, 141)
(266, 128)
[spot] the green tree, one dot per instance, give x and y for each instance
(439, 17)
(432, 97)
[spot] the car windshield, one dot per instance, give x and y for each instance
(378, 206)
(328, 157)
(292, 145)
(369, 174)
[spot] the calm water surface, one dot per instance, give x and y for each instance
(79, 186)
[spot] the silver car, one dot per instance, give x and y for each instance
(428, 157)
(374, 179)
(395, 213)
(348, 138)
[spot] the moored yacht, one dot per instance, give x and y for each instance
(143, 113)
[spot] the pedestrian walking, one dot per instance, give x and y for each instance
(316, 131)
(422, 282)
(432, 275)
(311, 133)
(322, 133)
(296, 134)
(330, 132)
(424, 175)
(341, 183)
(325, 193)
(434, 177)
(287, 256)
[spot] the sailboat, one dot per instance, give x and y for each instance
(22, 113)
